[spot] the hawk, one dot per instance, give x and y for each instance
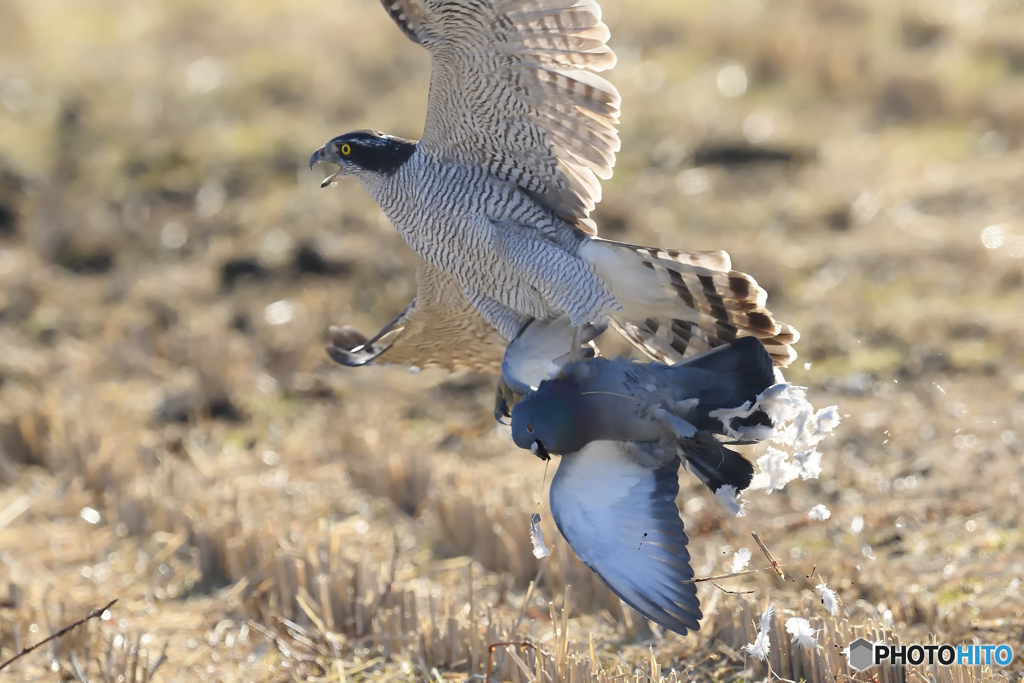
(495, 200)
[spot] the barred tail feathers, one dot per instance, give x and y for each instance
(675, 304)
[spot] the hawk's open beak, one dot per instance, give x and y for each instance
(319, 156)
(315, 157)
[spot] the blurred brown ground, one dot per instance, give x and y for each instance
(173, 435)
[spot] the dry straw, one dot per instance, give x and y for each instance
(326, 604)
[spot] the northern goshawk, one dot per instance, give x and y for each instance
(495, 200)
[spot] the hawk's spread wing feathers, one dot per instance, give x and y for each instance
(509, 91)
(439, 328)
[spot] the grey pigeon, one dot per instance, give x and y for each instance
(622, 429)
(664, 410)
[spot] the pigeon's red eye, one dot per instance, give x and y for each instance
(529, 428)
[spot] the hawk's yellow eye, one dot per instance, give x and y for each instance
(346, 149)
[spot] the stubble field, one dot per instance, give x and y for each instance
(173, 436)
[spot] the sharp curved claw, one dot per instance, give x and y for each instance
(501, 411)
(504, 399)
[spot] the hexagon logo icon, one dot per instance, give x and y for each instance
(861, 654)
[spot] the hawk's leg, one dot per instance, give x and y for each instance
(505, 398)
(576, 351)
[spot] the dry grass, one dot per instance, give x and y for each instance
(262, 515)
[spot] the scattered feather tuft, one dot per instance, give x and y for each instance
(727, 415)
(766, 619)
(537, 537)
(740, 560)
(819, 513)
(828, 598)
(795, 425)
(759, 648)
(728, 496)
(776, 471)
(808, 463)
(802, 633)
(826, 419)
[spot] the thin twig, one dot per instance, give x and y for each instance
(722, 576)
(724, 590)
(771, 558)
(305, 601)
(299, 634)
(92, 615)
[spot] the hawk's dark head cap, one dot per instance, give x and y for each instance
(364, 151)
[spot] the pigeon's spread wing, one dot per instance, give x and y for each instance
(621, 519)
(439, 328)
(512, 90)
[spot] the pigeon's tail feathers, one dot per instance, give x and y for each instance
(676, 304)
(743, 369)
(740, 372)
(716, 465)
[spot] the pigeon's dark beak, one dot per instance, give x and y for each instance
(537, 448)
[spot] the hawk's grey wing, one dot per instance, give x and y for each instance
(439, 328)
(621, 519)
(512, 89)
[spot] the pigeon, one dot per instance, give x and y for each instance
(622, 429)
(665, 413)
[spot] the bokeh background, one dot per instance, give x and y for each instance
(172, 434)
